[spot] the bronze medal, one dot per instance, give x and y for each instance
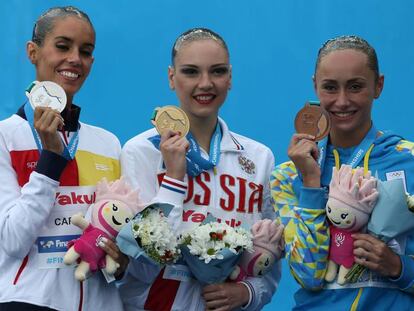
(314, 120)
(171, 118)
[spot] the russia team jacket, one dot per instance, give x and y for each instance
(236, 192)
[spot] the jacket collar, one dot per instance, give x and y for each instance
(228, 141)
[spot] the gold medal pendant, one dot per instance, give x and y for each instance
(312, 119)
(171, 118)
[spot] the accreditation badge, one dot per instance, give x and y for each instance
(312, 119)
(46, 94)
(171, 118)
(178, 272)
(58, 230)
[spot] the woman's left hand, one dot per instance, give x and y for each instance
(225, 296)
(375, 255)
(112, 250)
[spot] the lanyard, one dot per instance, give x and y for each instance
(363, 150)
(195, 162)
(366, 159)
(69, 150)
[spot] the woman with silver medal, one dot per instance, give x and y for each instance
(209, 171)
(49, 163)
(346, 81)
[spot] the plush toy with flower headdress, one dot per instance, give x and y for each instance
(352, 197)
(268, 245)
(116, 203)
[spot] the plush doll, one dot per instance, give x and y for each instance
(268, 244)
(352, 197)
(115, 205)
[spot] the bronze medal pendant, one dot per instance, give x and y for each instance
(171, 118)
(313, 120)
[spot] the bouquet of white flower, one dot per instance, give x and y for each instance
(212, 250)
(148, 234)
(390, 218)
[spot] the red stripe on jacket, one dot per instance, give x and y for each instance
(25, 162)
(162, 294)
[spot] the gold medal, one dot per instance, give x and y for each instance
(171, 118)
(314, 120)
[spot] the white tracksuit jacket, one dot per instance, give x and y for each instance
(29, 187)
(237, 192)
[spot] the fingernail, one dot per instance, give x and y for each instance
(102, 241)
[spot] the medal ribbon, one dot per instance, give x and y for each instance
(69, 151)
(196, 164)
(363, 150)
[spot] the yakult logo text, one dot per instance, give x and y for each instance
(193, 216)
(74, 198)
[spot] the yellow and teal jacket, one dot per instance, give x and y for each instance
(302, 211)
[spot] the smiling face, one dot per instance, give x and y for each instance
(201, 77)
(116, 214)
(343, 216)
(263, 263)
(346, 87)
(65, 57)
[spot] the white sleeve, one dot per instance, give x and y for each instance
(263, 288)
(23, 211)
(140, 162)
(268, 211)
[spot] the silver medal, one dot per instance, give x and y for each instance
(47, 94)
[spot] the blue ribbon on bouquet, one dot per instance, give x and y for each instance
(216, 271)
(391, 216)
(196, 164)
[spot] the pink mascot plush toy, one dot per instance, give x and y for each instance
(268, 244)
(352, 197)
(115, 205)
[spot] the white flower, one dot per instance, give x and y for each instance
(209, 240)
(155, 236)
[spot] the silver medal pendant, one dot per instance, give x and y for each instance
(47, 94)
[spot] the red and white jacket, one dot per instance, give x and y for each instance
(236, 191)
(29, 187)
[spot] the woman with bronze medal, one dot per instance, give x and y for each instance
(49, 168)
(209, 171)
(347, 81)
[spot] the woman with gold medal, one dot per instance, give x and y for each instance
(209, 171)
